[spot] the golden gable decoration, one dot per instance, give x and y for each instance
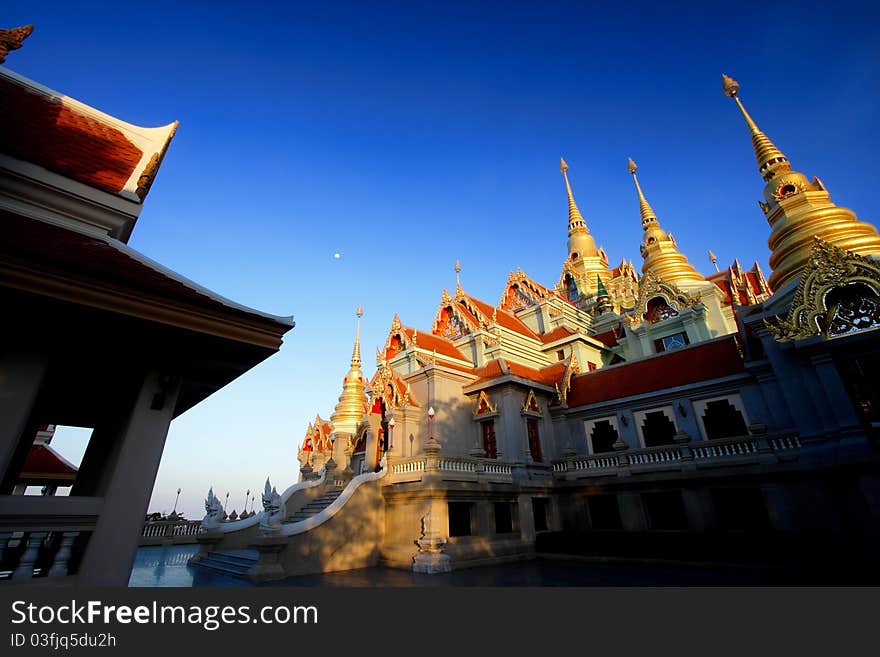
(651, 287)
(484, 405)
(562, 388)
(531, 404)
(817, 310)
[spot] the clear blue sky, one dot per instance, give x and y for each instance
(408, 135)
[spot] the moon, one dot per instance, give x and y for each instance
(337, 255)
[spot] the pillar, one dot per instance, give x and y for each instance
(129, 472)
(21, 375)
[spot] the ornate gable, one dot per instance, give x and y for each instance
(484, 405)
(398, 339)
(522, 292)
(652, 287)
(838, 294)
(562, 387)
(531, 404)
(450, 321)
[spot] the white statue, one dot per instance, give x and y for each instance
(273, 509)
(213, 511)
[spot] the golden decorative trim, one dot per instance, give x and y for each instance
(531, 404)
(829, 267)
(651, 287)
(571, 369)
(484, 405)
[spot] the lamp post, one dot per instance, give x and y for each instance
(431, 424)
(246, 496)
(174, 510)
(391, 424)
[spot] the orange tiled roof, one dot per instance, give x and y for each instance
(700, 362)
(504, 318)
(61, 139)
(556, 334)
(499, 367)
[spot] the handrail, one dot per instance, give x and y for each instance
(295, 528)
(239, 525)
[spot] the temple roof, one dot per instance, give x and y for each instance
(44, 465)
(72, 139)
(700, 362)
(548, 376)
(102, 272)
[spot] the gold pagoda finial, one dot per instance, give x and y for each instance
(356, 354)
(647, 212)
(457, 276)
(12, 39)
(770, 159)
(575, 219)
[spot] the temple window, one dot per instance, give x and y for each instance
(851, 308)
(591, 366)
(560, 355)
(572, 290)
(541, 513)
(656, 427)
(603, 436)
(503, 517)
(659, 309)
(723, 420)
(490, 449)
(534, 440)
(671, 342)
(460, 518)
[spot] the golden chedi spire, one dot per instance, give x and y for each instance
(799, 210)
(350, 408)
(580, 242)
(661, 254)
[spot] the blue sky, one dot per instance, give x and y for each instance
(408, 135)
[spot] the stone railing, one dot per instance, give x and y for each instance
(742, 450)
(449, 467)
(41, 535)
(177, 532)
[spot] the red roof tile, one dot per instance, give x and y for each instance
(44, 131)
(608, 338)
(504, 318)
(500, 367)
(700, 362)
(556, 334)
(431, 342)
(43, 462)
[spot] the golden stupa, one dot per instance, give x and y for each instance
(352, 402)
(661, 254)
(799, 210)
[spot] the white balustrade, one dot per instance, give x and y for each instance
(784, 443)
(654, 457)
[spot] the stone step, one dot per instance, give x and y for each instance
(231, 562)
(314, 507)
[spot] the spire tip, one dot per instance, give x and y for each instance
(729, 86)
(563, 166)
(630, 165)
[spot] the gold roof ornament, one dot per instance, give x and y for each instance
(770, 159)
(799, 210)
(350, 408)
(580, 242)
(12, 39)
(661, 254)
(814, 310)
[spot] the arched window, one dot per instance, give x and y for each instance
(603, 436)
(659, 309)
(657, 429)
(851, 308)
(723, 420)
(571, 289)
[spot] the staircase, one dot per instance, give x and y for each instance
(234, 563)
(314, 507)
